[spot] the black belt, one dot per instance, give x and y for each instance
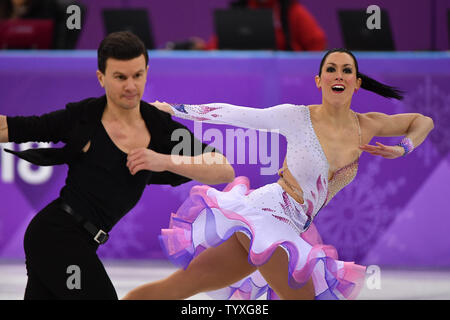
(99, 235)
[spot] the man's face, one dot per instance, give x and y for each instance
(124, 81)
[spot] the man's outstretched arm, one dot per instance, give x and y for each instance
(49, 127)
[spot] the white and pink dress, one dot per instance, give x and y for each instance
(268, 215)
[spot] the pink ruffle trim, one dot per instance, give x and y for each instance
(178, 245)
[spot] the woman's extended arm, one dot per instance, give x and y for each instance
(223, 113)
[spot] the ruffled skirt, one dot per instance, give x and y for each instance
(270, 218)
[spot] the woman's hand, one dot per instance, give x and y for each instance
(146, 159)
(163, 106)
(388, 152)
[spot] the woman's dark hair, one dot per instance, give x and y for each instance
(367, 82)
(122, 45)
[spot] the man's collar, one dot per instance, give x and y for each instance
(94, 110)
(96, 107)
(153, 117)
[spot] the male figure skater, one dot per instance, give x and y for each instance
(115, 145)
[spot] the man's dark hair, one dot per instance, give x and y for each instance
(122, 45)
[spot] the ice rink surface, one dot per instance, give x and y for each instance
(395, 284)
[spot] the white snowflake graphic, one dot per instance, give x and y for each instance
(430, 99)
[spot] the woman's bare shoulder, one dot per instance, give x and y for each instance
(368, 122)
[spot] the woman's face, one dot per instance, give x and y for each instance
(338, 80)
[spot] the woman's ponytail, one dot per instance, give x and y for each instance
(383, 90)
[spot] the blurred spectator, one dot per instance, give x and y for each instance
(6, 8)
(292, 21)
(54, 10)
(30, 9)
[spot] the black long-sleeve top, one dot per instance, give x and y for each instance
(99, 185)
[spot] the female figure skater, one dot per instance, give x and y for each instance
(242, 243)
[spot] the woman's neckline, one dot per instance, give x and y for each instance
(322, 150)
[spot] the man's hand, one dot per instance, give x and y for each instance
(146, 159)
(388, 152)
(163, 106)
(3, 129)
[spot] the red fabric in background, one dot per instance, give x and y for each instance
(305, 32)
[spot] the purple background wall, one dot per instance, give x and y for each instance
(416, 25)
(395, 212)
